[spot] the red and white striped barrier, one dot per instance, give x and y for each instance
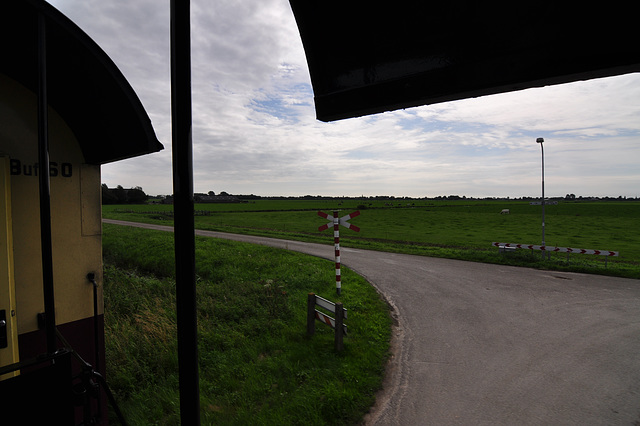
(557, 249)
(337, 324)
(322, 317)
(336, 222)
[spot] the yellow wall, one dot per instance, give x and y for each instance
(10, 353)
(75, 211)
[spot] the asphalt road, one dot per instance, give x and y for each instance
(480, 344)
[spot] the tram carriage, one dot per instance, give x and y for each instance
(61, 97)
(55, 132)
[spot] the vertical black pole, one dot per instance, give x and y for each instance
(543, 242)
(44, 185)
(181, 115)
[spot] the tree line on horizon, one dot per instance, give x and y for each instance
(136, 195)
(120, 195)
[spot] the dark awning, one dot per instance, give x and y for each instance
(368, 57)
(84, 85)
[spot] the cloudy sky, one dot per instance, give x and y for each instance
(255, 132)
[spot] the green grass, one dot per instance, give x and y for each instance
(461, 229)
(257, 365)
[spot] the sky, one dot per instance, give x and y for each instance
(255, 132)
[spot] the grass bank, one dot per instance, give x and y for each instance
(257, 365)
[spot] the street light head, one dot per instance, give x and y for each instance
(540, 140)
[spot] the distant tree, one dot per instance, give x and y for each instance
(211, 193)
(108, 197)
(119, 195)
(136, 196)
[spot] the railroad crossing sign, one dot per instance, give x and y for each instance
(336, 222)
(341, 221)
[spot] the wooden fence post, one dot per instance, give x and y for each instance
(311, 314)
(339, 330)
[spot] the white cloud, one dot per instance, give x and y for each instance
(254, 129)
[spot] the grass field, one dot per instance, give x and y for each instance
(257, 364)
(462, 229)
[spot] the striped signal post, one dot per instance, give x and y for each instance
(336, 222)
(336, 245)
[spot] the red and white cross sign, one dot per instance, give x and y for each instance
(336, 222)
(341, 221)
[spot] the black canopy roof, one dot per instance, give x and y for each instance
(367, 57)
(84, 85)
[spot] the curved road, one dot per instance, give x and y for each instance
(495, 345)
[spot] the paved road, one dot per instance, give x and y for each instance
(479, 344)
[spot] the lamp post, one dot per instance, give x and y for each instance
(540, 141)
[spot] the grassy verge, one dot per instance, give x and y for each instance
(257, 366)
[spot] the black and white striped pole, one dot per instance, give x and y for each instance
(336, 246)
(336, 222)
